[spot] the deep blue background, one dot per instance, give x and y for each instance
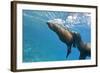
(42, 44)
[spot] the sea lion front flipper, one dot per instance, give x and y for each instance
(74, 38)
(68, 51)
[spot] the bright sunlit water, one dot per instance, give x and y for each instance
(42, 44)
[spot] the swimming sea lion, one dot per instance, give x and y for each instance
(64, 34)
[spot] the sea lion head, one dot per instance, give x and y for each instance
(55, 23)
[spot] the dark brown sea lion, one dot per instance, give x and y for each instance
(71, 39)
(64, 34)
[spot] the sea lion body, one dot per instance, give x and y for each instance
(63, 33)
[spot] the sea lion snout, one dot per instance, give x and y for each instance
(50, 24)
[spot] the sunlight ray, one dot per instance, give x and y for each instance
(53, 15)
(34, 17)
(41, 14)
(50, 15)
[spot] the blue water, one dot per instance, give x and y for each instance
(42, 44)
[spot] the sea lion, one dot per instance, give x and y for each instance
(64, 34)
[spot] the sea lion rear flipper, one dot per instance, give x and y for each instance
(82, 56)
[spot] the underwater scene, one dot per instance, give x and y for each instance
(42, 43)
